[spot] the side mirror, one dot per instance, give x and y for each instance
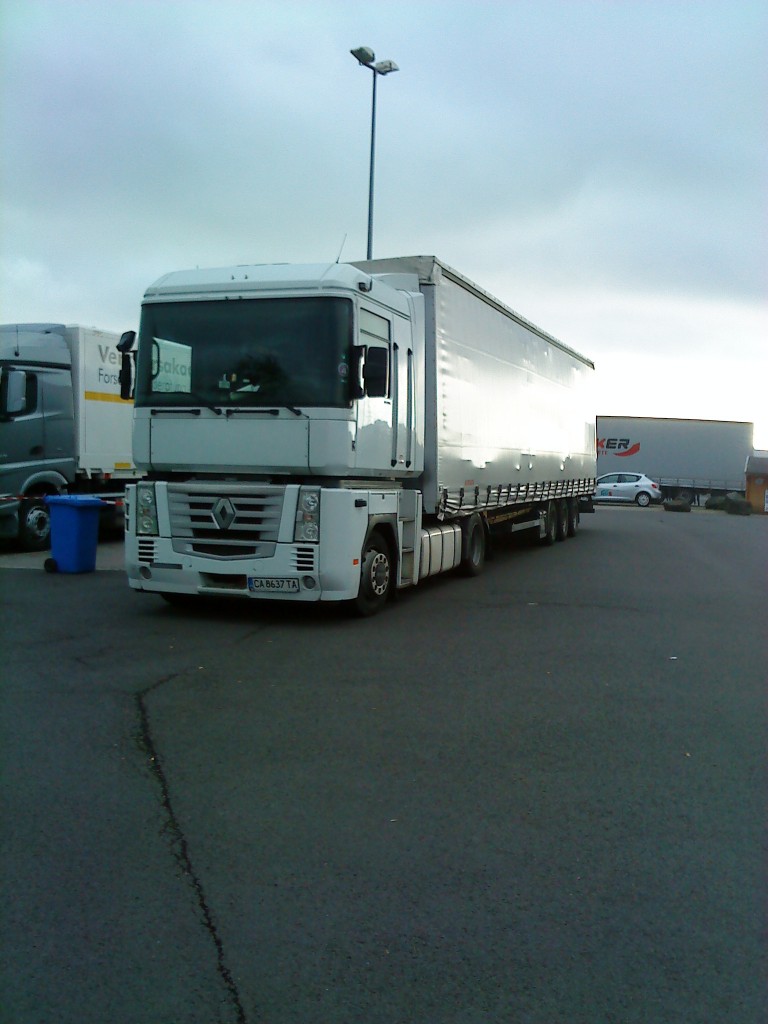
(14, 392)
(127, 339)
(376, 373)
(125, 376)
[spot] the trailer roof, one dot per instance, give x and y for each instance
(430, 270)
(672, 419)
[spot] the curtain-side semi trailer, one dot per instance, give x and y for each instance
(338, 432)
(687, 458)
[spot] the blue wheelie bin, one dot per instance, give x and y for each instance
(74, 532)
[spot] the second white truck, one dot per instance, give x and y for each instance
(336, 432)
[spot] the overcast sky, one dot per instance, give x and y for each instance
(599, 165)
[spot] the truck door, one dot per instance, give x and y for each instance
(402, 395)
(22, 433)
(376, 441)
(56, 408)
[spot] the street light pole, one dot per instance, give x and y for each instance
(365, 57)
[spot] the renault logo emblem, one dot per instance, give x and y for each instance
(223, 513)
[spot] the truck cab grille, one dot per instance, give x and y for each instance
(223, 521)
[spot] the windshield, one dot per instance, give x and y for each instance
(241, 353)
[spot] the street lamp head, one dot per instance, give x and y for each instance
(364, 54)
(385, 67)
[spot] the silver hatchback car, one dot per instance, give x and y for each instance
(627, 487)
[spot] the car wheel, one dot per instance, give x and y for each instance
(643, 499)
(375, 576)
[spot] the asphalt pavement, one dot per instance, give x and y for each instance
(536, 796)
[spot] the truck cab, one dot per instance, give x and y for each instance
(300, 372)
(37, 445)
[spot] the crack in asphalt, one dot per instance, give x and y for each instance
(179, 844)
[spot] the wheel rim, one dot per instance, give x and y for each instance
(378, 574)
(37, 522)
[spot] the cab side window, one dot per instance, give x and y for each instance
(375, 335)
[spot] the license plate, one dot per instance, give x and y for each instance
(273, 584)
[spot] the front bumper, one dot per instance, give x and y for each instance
(153, 565)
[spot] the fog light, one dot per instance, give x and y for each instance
(145, 573)
(308, 582)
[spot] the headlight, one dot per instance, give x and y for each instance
(308, 516)
(146, 510)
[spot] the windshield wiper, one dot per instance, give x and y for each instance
(179, 409)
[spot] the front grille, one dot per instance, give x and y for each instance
(223, 521)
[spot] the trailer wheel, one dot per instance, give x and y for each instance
(562, 518)
(34, 524)
(550, 528)
(473, 554)
(643, 499)
(574, 516)
(375, 576)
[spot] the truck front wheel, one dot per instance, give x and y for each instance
(375, 576)
(34, 524)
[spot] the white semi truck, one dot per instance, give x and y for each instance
(337, 432)
(63, 426)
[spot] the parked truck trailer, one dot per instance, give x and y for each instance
(338, 432)
(687, 458)
(63, 426)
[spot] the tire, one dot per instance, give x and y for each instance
(474, 547)
(550, 532)
(34, 524)
(643, 499)
(561, 506)
(376, 574)
(574, 516)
